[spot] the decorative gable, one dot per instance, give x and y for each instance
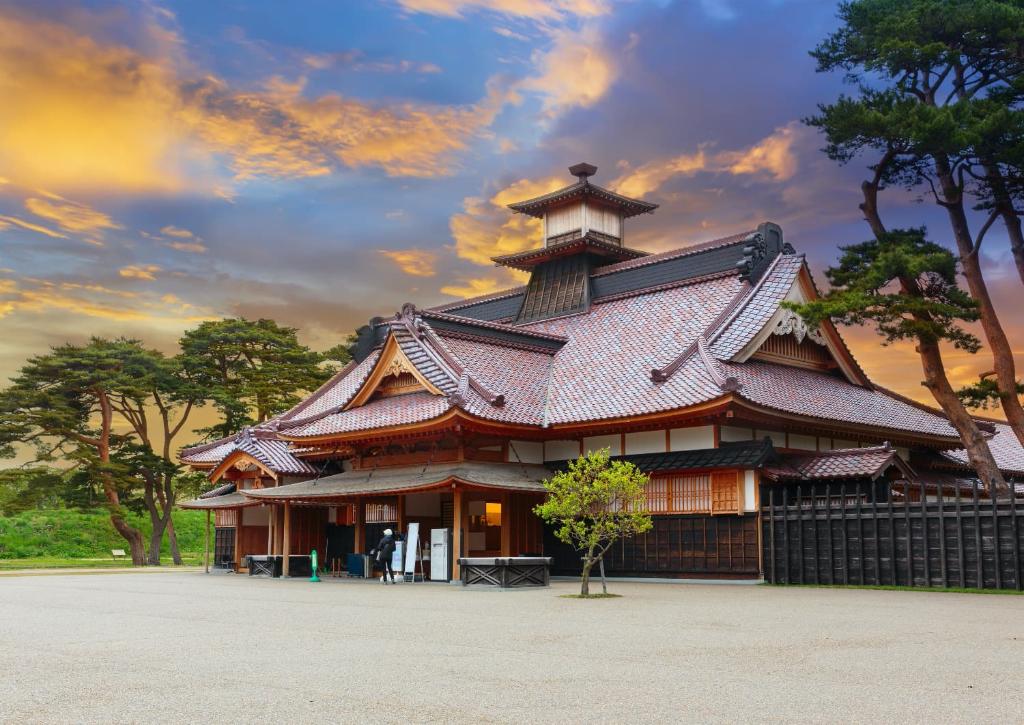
(393, 374)
(787, 339)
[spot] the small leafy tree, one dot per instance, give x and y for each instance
(595, 503)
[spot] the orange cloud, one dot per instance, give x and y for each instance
(576, 72)
(773, 155)
(140, 271)
(172, 231)
(70, 215)
(197, 247)
(40, 296)
(103, 116)
(9, 220)
(533, 9)
(487, 229)
(414, 262)
(474, 287)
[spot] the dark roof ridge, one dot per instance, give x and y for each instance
(583, 186)
(673, 254)
(491, 325)
(470, 301)
(657, 288)
(746, 299)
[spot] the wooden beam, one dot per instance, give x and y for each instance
(400, 513)
(206, 548)
(357, 547)
(287, 548)
(270, 530)
(506, 524)
(457, 526)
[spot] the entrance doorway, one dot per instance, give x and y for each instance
(483, 528)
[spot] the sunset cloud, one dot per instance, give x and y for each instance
(93, 114)
(414, 262)
(486, 228)
(774, 155)
(475, 287)
(70, 215)
(38, 228)
(139, 271)
(532, 9)
(41, 296)
(575, 72)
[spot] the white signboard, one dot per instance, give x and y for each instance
(412, 542)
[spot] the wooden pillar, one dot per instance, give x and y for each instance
(206, 547)
(357, 547)
(457, 525)
(400, 517)
(270, 529)
(287, 548)
(278, 539)
(506, 524)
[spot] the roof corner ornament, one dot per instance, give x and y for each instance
(458, 398)
(658, 375)
(755, 250)
(788, 248)
(790, 323)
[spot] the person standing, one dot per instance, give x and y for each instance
(385, 550)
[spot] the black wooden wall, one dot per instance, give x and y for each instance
(677, 546)
(905, 540)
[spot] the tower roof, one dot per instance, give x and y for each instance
(583, 188)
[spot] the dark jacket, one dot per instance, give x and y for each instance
(386, 548)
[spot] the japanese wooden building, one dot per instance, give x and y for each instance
(684, 362)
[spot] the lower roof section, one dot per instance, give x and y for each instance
(224, 501)
(402, 479)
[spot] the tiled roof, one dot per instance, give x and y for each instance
(827, 397)
(381, 413)
(516, 476)
(757, 309)
(839, 463)
(597, 365)
(260, 443)
(745, 454)
(1005, 447)
(221, 490)
(672, 254)
(230, 500)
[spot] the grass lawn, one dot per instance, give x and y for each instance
(58, 562)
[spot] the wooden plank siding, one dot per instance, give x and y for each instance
(907, 540)
(679, 545)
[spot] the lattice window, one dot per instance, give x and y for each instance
(680, 494)
(381, 513)
(724, 492)
(225, 517)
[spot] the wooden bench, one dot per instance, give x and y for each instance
(118, 554)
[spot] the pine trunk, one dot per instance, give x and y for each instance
(974, 441)
(132, 535)
(1002, 354)
(1004, 204)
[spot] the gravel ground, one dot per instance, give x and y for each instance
(185, 647)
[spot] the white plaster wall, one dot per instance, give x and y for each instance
(648, 441)
(904, 453)
(749, 491)
(803, 442)
(778, 437)
(731, 434)
(691, 439)
(595, 443)
(843, 443)
(526, 451)
(256, 516)
(561, 450)
(824, 444)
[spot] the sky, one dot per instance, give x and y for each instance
(319, 163)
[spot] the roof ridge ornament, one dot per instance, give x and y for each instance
(791, 323)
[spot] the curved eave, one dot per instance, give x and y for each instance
(280, 496)
(933, 440)
(449, 418)
(228, 501)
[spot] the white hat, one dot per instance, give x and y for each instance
(388, 532)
